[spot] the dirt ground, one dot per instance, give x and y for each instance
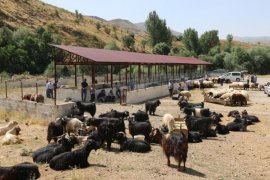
(238, 155)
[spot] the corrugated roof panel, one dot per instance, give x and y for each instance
(111, 56)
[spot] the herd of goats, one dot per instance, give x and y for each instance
(110, 127)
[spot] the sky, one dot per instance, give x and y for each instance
(237, 17)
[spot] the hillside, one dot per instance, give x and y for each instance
(125, 24)
(257, 39)
(34, 13)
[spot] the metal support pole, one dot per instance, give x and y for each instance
(21, 89)
(139, 73)
(93, 73)
(55, 77)
(107, 74)
(126, 75)
(36, 88)
(75, 76)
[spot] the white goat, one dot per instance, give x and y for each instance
(11, 137)
(168, 121)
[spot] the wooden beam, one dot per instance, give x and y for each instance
(126, 75)
(93, 73)
(55, 77)
(111, 76)
(139, 73)
(107, 70)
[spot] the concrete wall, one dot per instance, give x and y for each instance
(44, 111)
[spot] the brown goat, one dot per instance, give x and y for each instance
(175, 144)
(239, 98)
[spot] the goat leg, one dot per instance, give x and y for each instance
(168, 160)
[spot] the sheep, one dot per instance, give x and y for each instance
(187, 94)
(208, 84)
(78, 158)
(22, 171)
(55, 129)
(136, 128)
(45, 154)
(168, 122)
(11, 136)
(156, 136)
(7, 127)
(72, 125)
(151, 106)
(176, 145)
(27, 97)
(133, 145)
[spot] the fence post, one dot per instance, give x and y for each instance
(6, 88)
(36, 88)
(22, 89)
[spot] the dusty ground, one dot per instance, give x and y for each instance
(238, 155)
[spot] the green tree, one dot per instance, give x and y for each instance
(5, 36)
(191, 40)
(229, 43)
(112, 46)
(161, 48)
(129, 41)
(208, 40)
(158, 30)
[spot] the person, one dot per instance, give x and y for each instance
(101, 95)
(48, 87)
(118, 90)
(110, 96)
(131, 84)
(84, 85)
(170, 87)
(255, 79)
(252, 78)
(201, 83)
(92, 93)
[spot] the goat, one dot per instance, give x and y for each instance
(133, 145)
(156, 136)
(183, 104)
(115, 114)
(250, 117)
(203, 124)
(136, 128)
(194, 137)
(233, 113)
(72, 125)
(176, 145)
(168, 122)
(45, 154)
(238, 98)
(20, 171)
(151, 106)
(87, 107)
(55, 129)
(78, 158)
(237, 126)
(222, 129)
(11, 137)
(140, 116)
(7, 127)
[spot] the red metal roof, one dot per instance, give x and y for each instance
(111, 56)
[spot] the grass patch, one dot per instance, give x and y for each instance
(26, 152)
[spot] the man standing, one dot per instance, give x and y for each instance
(84, 90)
(92, 93)
(118, 90)
(170, 87)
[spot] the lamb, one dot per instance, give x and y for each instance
(55, 129)
(45, 154)
(176, 145)
(11, 136)
(20, 171)
(78, 158)
(187, 94)
(7, 127)
(151, 106)
(133, 145)
(168, 122)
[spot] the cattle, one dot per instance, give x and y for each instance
(151, 106)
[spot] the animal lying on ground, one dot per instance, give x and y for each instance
(222, 129)
(45, 154)
(238, 126)
(115, 114)
(233, 113)
(134, 145)
(250, 117)
(194, 137)
(176, 145)
(156, 136)
(151, 106)
(78, 158)
(11, 137)
(22, 171)
(7, 127)
(183, 104)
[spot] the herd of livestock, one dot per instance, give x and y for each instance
(91, 133)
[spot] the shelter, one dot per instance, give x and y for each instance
(169, 66)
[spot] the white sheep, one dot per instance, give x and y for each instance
(185, 93)
(168, 121)
(11, 137)
(73, 125)
(7, 127)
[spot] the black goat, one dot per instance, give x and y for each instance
(55, 129)
(76, 158)
(22, 171)
(182, 104)
(133, 145)
(115, 114)
(45, 154)
(151, 106)
(233, 113)
(203, 124)
(136, 128)
(194, 137)
(176, 145)
(87, 107)
(156, 136)
(198, 112)
(222, 129)
(140, 116)
(250, 117)
(238, 126)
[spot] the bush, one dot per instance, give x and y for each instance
(161, 48)
(98, 26)
(107, 30)
(5, 75)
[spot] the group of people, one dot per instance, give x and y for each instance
(50, 87)
(252, 79)
(102, 97)
(182, 86)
